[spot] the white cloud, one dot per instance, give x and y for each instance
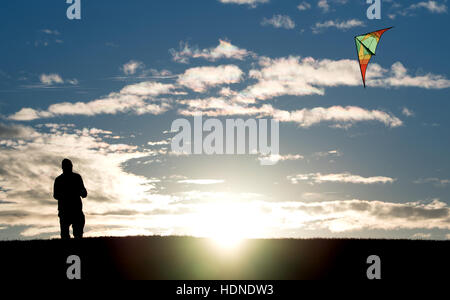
(343, 116)
(216, 106)
(399, 78)
(72, 81)
(279, 21)
(224, 50)
(275, 77)
(274, 158)
(148, 88)
(302, 76)
(341, 25)
(407, 112)
(158, 143)
(131, 67)
(251, 3)
(431, 6)
(132, 98)
(307, 76)
(50, 31)
(433, 180)
(52, 79)
(304, 118)
(304, 6)
(200, 78)
(330, 153)
(339, 177)
(323, 4)
(158, 73)
(201, 181)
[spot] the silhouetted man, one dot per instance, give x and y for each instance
(67, 190)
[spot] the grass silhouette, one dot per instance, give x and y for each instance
(188, 258)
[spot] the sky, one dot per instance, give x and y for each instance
(104, 91)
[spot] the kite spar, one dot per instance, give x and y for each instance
(366, 46)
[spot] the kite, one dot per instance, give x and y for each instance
(366, 45)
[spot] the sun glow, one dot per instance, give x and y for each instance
(228, 224)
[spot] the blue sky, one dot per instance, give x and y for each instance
(104, 91)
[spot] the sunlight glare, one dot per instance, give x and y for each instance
(228, 224)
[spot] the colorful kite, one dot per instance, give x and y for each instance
(366, 45)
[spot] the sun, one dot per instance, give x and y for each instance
(229, 224)
(227, 240)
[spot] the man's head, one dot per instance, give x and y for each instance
(67, 166)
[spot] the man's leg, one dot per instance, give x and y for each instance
(64, 225)
(78, 226)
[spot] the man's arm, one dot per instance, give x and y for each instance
(56, 192)
(83, 191)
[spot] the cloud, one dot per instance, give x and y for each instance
(217, 106)
(341, 25)
(148, 88)
(161, 74)
(421, 236)
(323, 4)
(158, 143)
(433, 180)
(29, 164)
(407, 112)
(349, 215)
(131, 67)
(331, 153)
(251, 3)
(279, 21)
(52, 79)
(224, 50)
(307, 76)
(16, 131)
(112, 209)
(301, 76)
(271, 78)
(336, 114)
(304, 118)
(200, 78)
(135, 98)
(201, 181)
(304, 6)
(431, 6)
(339, 177)
(399, 78)
(274, 158)
(50, 31)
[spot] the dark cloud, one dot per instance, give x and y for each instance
(6, 202)
(15, 131)
(409, 212)
(6, 214)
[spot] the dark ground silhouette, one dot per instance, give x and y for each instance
(194, 258)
